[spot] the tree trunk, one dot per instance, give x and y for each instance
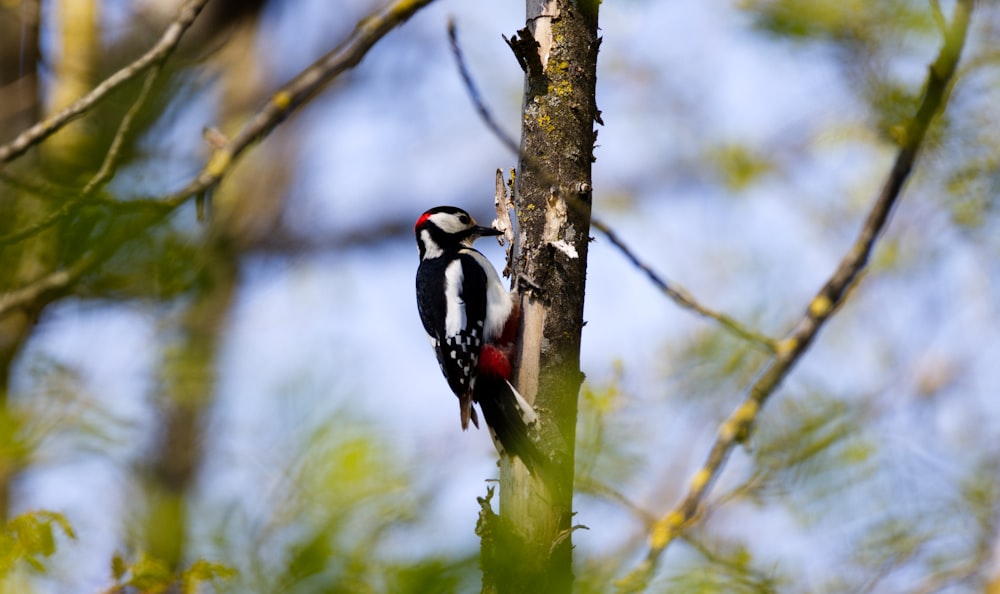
(246, 206)
(189, 374)
(23, 262)
(558, 50)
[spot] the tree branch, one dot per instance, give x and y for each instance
(683, 298)
(297, 92)
(58, 282)
(737, 427)
(157, 54)
(103, 174)
(587, 484)
(286, 100)
(477, 99)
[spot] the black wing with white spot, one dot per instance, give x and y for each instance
(451, 296)
(459, 347)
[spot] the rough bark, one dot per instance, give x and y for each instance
(558, 51)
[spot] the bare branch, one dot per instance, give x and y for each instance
(58, 282)
(288, 99)
(675, 292)
(296, 93)
(310, 81)
(682, 297)
(37, 187)
(103, 174)
(737, 427)
(157, 54)
(587, 484)
(110, 163)
(473, 90)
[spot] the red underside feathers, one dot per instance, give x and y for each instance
(509, 334)
(505, 342)
(494, 363)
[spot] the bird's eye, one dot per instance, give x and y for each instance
(464, 219)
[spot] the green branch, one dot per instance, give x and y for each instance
(737, 427)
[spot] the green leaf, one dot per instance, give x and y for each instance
(738, 166)
(204, 571)
(118, 567)
(150, 575)
(30, 537)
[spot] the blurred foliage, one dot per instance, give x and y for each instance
(723, 567)
(876, 44)
(808, 451)
(64, 416)
(872, 24)
(970, 178)
(28, 539)
(344, 499)
(947, 534)
(604, 441)
(148, 575)
(710, 367)
(738, 166)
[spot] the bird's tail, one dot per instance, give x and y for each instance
(467, 412)
(509, 418)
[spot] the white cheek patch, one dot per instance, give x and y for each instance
(431, 249)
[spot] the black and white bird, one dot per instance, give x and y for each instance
(471, 320)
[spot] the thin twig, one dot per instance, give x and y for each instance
(104, 173)
(737, 427)
(288, 99)
(675, 292)
(473, 90)
(111, 159)
(682, 297)
(297, 92)
(159, 52)
(56, 283)
(939, 19)
(36, 187)
(599, 489)
(749, 577)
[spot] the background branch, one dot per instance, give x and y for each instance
(157, 54)
(103, 174)
(683, 297)
(284, 101)
(736, 428)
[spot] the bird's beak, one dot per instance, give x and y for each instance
(480, 231)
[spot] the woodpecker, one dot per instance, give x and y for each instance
(471, 321)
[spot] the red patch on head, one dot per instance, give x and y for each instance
(492, 362)
(423, 219)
